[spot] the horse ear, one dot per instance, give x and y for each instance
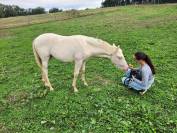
(118, 46)
(114, 45)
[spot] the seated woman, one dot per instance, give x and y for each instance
(142, 78)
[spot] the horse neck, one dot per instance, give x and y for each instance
(99, 48)
(105, 50)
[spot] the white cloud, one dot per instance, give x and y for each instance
(64, 4)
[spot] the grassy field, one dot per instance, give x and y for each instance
(12, 22)
(106, 105)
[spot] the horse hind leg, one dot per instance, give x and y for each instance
(43, 76)
(78, 65)
(83, 74)
(45, 73)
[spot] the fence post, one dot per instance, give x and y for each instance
(28, 19)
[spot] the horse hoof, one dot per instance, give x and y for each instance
(51, 89)
(85, 84)
(46, 85)
(76, 90)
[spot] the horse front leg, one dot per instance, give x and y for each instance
(83, 74)
(78, 65)
(45, 74)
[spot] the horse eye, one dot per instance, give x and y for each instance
(119, 57)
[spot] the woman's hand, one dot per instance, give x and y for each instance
(130, 66)
(133, 77)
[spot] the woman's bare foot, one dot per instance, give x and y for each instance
(142, 93)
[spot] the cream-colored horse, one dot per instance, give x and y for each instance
(75, 48)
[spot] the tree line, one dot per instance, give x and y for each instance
(14, 10)
(111, 3)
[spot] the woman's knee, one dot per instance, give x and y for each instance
(123, 80)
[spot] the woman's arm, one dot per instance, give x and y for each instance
(145, 78)
(132, 67)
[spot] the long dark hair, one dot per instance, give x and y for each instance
(146, 58)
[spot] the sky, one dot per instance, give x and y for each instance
(62, 4)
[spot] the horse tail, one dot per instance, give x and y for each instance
(36, 55)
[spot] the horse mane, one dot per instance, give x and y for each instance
(97, 42)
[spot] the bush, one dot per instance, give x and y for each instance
(13, 10)
(53, 10)
(38, 10)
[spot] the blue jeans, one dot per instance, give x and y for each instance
(134, 85)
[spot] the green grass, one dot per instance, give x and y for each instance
(11, 22)
(106, 105)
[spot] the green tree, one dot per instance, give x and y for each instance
(53, 10)
(38, 10)
(110, 3)
(1, 11)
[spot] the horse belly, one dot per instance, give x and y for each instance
(62, 54)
